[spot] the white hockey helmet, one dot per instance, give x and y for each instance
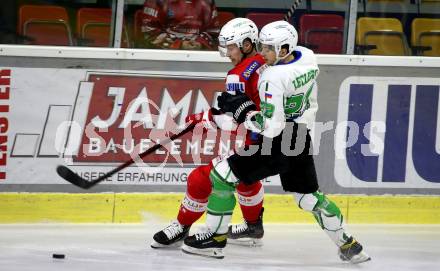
(235, 32)
(277, 34)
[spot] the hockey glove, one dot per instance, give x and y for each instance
(239, 105)
(204, 117)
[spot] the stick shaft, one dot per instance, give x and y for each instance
(292, 9)
(142, 155)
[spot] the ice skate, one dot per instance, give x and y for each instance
(170, 237)
(353, 252)
(247, 234)
(206, 244)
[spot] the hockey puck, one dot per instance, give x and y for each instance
(58, 256)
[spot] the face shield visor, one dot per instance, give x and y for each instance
(265, 48)
(223, 51)
(222, 47)
(226, 50)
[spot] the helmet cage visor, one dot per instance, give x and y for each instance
(264, 47)
(223, 47)
(223, 51)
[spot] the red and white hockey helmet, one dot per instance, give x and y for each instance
(277, 34)
(235, 32)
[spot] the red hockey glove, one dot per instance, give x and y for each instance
(204, 117)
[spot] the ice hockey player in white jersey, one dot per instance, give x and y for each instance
(287, 87)
(288, 93)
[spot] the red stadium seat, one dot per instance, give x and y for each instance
(224, 17)
(44, 25)
(93, 26)
(323, 33)
(261, 19)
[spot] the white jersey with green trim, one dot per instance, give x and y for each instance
(288, 92)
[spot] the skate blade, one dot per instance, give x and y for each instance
(356, 259)
(174, 245)
(216, 253)
(248, 242)
(360, 258)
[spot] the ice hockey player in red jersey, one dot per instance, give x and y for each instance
(180, 24)
(205, 192)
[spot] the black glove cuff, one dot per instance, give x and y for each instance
(242, 110)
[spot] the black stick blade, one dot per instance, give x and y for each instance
(72, 177)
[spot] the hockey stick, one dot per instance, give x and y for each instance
(70, 176)
(73, 178)
(292, 9)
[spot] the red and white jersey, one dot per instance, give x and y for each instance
(180, 19)
(244, 78)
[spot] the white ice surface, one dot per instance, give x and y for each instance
(111, 247)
